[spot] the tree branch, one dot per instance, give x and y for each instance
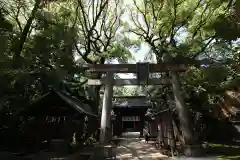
(138, 25)
(26, 29)
(203, 22)
(84, 56)
(172, 33)
(17, 20)
(144, 14)
(203, 48)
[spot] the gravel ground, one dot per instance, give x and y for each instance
(137, 149)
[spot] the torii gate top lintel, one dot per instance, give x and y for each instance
(132, 68)
(141, 69)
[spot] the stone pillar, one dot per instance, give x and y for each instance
(106, 109)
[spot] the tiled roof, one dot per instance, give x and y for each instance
(131, 102)
(78, 104)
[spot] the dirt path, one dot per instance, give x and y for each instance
(137, 149)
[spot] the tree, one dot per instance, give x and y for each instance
(14, 9)
(44, 37)
(178, 29)
(98, 23)
(46, 56)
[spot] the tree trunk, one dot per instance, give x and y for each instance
(191, 149)
(106, 110)
(177, 130)
(22, 40)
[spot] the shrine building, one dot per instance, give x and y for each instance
(129, 114)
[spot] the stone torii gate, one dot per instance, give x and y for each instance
(142, 70)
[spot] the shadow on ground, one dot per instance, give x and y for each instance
(87, 153)
(131, 149)
(224, 151)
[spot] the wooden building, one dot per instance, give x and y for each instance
(55, 115)
(129, 114)
(164, 128)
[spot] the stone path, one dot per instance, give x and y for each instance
(137, 149)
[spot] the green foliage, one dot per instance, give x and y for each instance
(60, 30)
(128, 91)
(227, 27)
(178, 27)
(5, 25)
(192, 30)
(47, 57)
(118, 51)
(54, 38)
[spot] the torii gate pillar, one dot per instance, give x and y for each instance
(106, 109)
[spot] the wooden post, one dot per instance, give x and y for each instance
(172, 141)
(142, 122)
(160, 134)
(150, 127)
(134, 126)
(112, 132)
(122, 128)
(171, 137)
(106, 109)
